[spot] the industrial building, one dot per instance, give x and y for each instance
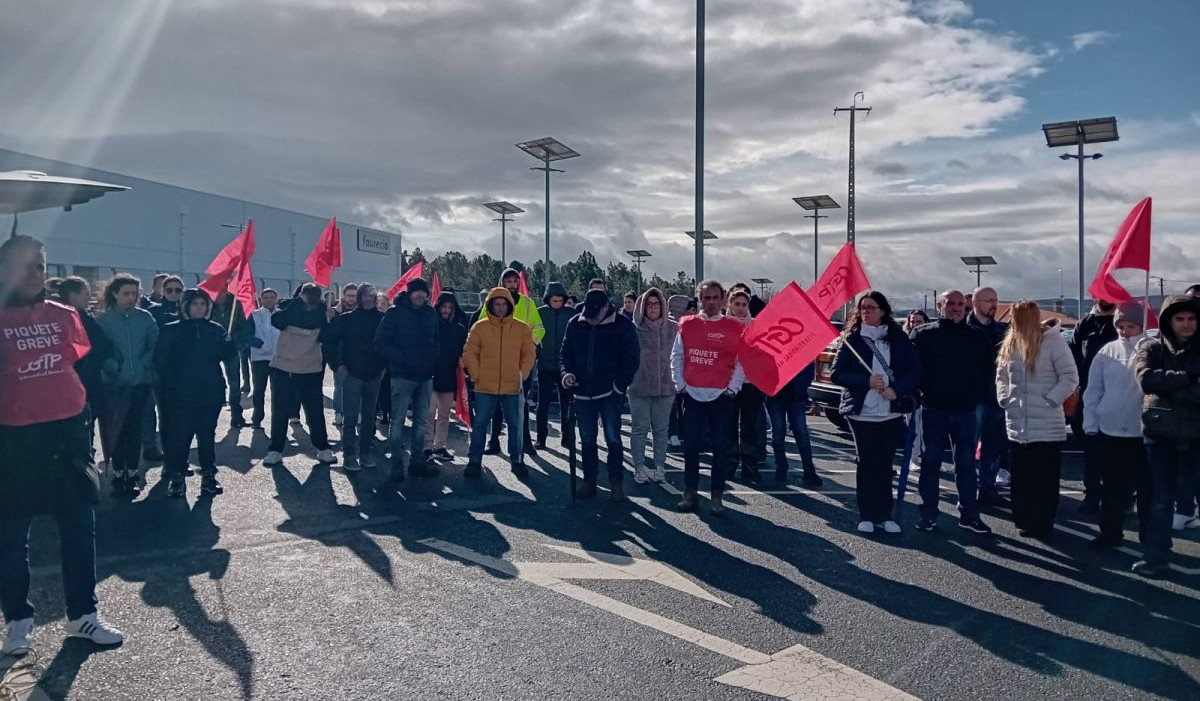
(156, 227)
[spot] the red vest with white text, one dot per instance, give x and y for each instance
(709, 351)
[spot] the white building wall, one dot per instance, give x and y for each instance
(139, 231)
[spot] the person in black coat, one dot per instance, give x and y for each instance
(452, 337)
(875, 401)
(187, 361)
(556, 315)
(600, 356)
(75, 292)
(349, 349)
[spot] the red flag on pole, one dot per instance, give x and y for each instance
(326, 255)
(411, 274)
(437, 287)
(843, 279)
(784, 338)
(524, 289)
(461, 410)
(244, 289)
(1129, 249)
(229, 261)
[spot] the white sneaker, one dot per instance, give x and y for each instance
(641, 475)
(674, 442)
(1182, 521)
(95, 628)
(273, 458)
(891, 527)
(19, 640)
(1003, 478)
(326, 456)
(658, 475)
(866, 527)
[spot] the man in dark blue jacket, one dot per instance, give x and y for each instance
(556, 316)
(408, 339)
(600, 356)
(958, 372)
(989, 417)
(349, 349)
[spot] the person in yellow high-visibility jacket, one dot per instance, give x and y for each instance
(525, 310)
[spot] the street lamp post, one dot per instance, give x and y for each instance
(1077, 133)
(762, 283)
(701, 242)
(638, 256)
(548, 150)
(504, 209)
(699, 138)
(978, 262)
(815, 204)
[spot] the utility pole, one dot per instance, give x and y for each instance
(699, 141)
(852, 109)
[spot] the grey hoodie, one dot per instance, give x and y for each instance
(657, 338)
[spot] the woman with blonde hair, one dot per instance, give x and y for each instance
(1035, 373)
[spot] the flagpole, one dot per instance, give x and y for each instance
(1146, 311)
(232, 311)
(846, 343)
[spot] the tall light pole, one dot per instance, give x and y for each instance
(504, 209)
(815, 204)
(548, 150)
(1077, 133)
(699, 139)
(853, 109)
(978, 262)
(638, 256)
(1062, 286)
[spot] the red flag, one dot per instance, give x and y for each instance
(410, 274)
(784, 338)
(524, 289)
(437, 287)
(461, 410)
(244, 289)
(229, 261)
(326, 255)
(843, 279)
(1129, 249)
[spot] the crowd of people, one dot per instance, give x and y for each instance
(157, 370)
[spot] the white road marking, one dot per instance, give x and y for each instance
(797, 672)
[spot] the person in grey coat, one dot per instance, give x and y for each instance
(1035, 373)
(652, 392)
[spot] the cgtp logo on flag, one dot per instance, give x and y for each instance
(836, 282)
(779, 335)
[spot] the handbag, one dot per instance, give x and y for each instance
(903, 403)
(1070, 405)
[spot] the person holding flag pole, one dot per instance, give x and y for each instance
(876, 395)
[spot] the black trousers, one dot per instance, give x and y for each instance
(876, 443)
(548, 391)
(1124, 469)
(286, 390)
(127, 445)
(181, 423)
(712, 419)
(233, 383)
(260, 372)
(1036, 470)
(746, 434)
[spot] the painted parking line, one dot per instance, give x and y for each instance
(797, 672)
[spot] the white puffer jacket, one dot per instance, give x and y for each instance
(1112, 402)
(1032, 401)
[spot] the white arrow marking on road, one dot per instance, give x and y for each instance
(794, 673)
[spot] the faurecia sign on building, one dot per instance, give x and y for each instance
(374, 242)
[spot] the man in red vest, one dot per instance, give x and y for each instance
(706, 370)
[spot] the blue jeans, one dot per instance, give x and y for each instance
(359, 398)
(77, 535)
(1167, 466)
(588, 412)
(958, 428)
(993, 445)
(783, 413)
(405, 392)
(513, 406)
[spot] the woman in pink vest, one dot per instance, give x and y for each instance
(706, 371)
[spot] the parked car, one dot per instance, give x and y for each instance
(824, 394)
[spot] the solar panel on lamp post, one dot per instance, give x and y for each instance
(701, 243)
(815, 204)
(548, 150)
(978, 262)
(1077, 133)
(503, 209)
(638, 256)
(762, 283)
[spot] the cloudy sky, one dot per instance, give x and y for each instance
(403, 114)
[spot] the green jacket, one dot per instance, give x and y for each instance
(134, 334)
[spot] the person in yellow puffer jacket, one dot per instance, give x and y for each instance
(499, 355)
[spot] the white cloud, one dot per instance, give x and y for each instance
(1085, 39)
